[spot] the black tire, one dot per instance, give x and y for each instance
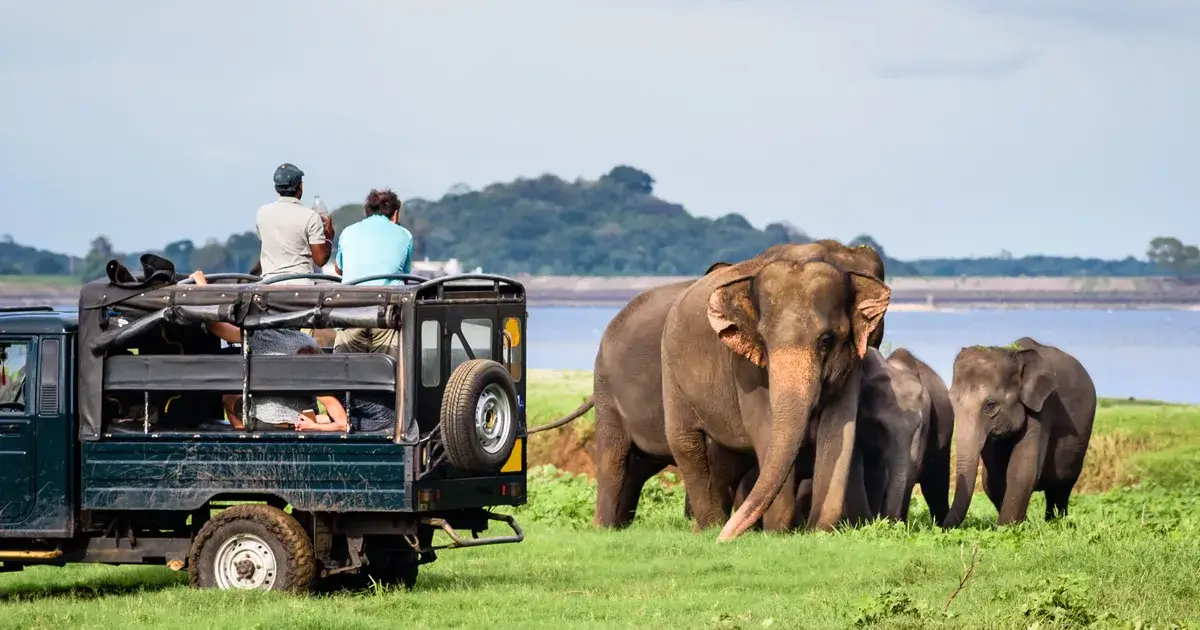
(392, 562)
(470, 381)
(287, 542)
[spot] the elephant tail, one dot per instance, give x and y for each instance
(584, 408)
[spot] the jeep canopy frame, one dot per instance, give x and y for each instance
(120, 308)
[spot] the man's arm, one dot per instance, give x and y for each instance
(320, 238)
(408, 256)
(337, 262)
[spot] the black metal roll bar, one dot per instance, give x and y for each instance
(440, 282)
(406, 277)
(497, 280)
(217, 277)
(302, 276)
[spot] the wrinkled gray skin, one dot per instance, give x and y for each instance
(935, 467)
(631, 445)
(1027, 412)
(894, 413)
(754, 355)
(895, 420)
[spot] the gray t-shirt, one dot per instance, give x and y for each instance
(288, 229)
(276, 408)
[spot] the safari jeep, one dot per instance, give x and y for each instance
(114, 446)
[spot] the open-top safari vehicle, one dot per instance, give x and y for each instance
(114, 448)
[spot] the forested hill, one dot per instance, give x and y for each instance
(610, 226)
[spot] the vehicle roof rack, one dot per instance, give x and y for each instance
(36, 308)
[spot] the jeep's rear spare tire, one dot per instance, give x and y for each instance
(252, 547)
(479, 416)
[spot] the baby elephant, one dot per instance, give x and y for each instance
(1027, 409)
(903, 409)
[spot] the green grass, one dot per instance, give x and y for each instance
(1125, 556)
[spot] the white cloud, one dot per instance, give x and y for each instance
(941, 128)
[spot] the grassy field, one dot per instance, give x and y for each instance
(1126, 557)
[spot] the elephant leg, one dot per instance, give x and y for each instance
(803, 502)
(1057, 498)
(639, 468)
(1024, 468)
(935, 484)
(613, 447)
(833, 464)
(728, 468)
(994, 471)
(689, 446)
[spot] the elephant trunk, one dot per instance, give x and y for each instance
(795, 387)
(896, 496)
(968, 443)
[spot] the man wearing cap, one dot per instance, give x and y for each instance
(295, 238)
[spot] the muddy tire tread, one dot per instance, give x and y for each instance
(301, 565)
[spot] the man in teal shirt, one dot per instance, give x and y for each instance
(375, 246)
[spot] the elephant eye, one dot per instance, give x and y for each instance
(989, 406)
(825, 341)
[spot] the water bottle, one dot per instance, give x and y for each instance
(319, 206)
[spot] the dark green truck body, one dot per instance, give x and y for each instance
(74, 487)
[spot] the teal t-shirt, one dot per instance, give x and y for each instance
(372, 247)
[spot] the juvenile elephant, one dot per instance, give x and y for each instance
(894, 415)
(1027, 410)
(935, 466)
(791, 328)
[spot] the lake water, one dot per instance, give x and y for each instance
(1143, 354)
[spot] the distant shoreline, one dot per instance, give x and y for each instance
(901, 307)
(908, 294)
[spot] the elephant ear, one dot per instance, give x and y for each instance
(871, 298)
(1037, 380)
(734, 317)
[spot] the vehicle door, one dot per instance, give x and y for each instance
(447, 336)
(18, 474)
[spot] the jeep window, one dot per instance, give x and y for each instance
(477, 336)
(431, 356)
(14, 387)
(513, 340)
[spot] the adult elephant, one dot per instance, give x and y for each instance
(935, 466)
(630, 441)
(1027, 411)
(752, 353)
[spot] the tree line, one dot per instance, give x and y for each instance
(610, 226)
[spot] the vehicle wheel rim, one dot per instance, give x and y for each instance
(246, 562)
(493, 418)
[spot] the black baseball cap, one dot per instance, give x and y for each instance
(288, 176)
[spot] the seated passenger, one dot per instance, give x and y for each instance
(274, 411)
(373, 412)
(377, 245)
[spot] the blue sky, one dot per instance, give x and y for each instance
(942, 128)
